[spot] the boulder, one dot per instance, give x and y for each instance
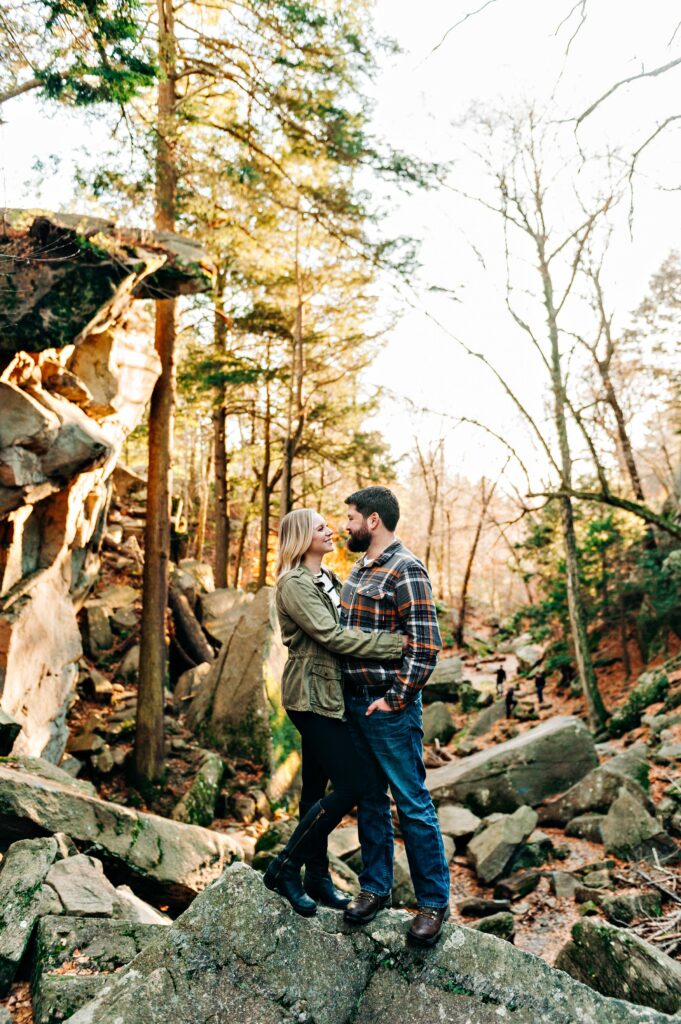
(159, 858)
(517, 885)
(129, 907)
(129, 669)
(197, 806)
(403, 887)
(626, 908)
(239, 953)
(619, 963)
(437, 723)
(586, 826)
(22, 874)
(525, 770)
(594, 794)
(492, 849)
(201, 572)
(563, 884)
(238, 707)
(343, 842)
(97, 631)
(502, 925)
(445, 682)
(536, 851)
(189, 682)
(528, 656)
(631, 763)
(668, 753)
(484, 721)
(456, 821)
(219, 609)
(74, 957)
(631, 833)
(82, 887)
(9, 730)
(475, 906)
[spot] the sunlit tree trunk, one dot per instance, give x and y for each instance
(149, 738)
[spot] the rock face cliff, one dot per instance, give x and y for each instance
(77, 367)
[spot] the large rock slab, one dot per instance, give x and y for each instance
(491, 850)
(163, 859)
(237, 708)
(78, 369)
(239, 953)
(22, 874)
(525, 770)
(618, 963)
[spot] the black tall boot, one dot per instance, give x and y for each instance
(319, 885)
(283, 874)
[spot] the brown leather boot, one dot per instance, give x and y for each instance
(427, 925)
(364, 907)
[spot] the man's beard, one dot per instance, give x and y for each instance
(359, 541)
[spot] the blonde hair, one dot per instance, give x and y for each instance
(296, 531)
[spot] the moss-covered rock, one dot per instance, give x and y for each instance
(619, 963)
(650, 688)
(23, 872)
(197, 806)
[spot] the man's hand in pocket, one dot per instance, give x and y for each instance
(378, 705)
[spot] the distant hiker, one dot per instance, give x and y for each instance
(510, 701)
(539, 684)
(501, 679)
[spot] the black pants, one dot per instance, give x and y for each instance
(328, 756)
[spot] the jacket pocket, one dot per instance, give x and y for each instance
(326, 691)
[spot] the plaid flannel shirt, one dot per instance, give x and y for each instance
(393, 593)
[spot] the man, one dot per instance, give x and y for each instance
(501, 679)
(389, 589)
(510, 701)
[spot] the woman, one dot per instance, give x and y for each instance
(307, 601)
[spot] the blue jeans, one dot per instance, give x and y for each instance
(389, 749)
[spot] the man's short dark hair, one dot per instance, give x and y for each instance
(379, 500)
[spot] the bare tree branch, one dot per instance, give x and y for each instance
(471, 14)
(626, 81)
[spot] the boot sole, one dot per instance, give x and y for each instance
(351, 919)
(427, 943)
(273, 887)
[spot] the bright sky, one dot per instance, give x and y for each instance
(508, 53)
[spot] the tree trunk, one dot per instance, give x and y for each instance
(265, 490)
(202, 518)
(221, 520)
(463, 600)
(149, 738)
(294, 409)
(220, 443)
(595, 708)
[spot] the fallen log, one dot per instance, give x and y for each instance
(191, 635)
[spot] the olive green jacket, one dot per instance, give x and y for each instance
(314, 637)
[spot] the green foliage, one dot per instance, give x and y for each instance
(81, 52)
(622, 577)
